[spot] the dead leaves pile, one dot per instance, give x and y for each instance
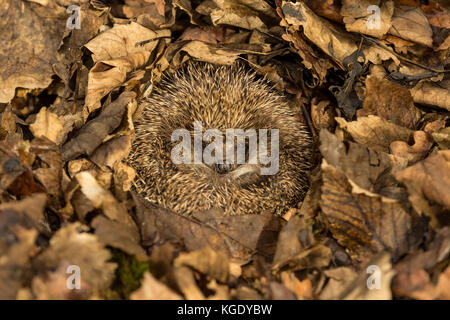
(376, 99)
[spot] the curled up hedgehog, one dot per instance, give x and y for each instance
(184, 161)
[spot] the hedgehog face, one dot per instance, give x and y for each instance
(222, 99)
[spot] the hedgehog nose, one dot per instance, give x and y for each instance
(224, 168)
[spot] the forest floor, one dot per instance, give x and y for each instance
(370, 78)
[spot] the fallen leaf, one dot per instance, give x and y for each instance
(389, 101)
(206, 261)
(152, 289)
(93, 133)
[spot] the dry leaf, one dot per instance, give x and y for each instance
(366, 223)
(410, 23)
(375, 132)
(430, 177)
(72, 244)
(31, 35)
(389, 101)
(152, 289)
(206, 261)
(356, 16)
(93, 133)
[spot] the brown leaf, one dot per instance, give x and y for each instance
(112, 151)
(295, 237)
(430, 177)
(31, 35)
(101, 198)
(366, 223)
(117, 52)
(152, 289)
(375, 132)
(389, 101)
(206, 261)
(211, 35)
(431, 93)
(19, 225)
(422, 145)
(93, 133)
(116, 235)
(49, 174)
(239, 13)
(184, 277)
(239, 237)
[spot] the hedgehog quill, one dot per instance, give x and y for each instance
(263, 166)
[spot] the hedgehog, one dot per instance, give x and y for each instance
(219, 98)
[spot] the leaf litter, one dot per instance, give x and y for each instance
(375, 99)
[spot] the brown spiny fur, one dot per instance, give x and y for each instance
(222, 98)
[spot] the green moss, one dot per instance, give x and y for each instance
(129, 273)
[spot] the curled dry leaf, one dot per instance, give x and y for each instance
(422, 145)
(210, 35)
(337, 44)
(246, 14)
(49, 126)
(442, 137)
(375, 132)
(19, 225)
(101, 198)
(338, 281)
(433, 94)
(112, 151)
(96, 130)
(114, 234)
(152, 289)
(224, 54)
(410, 23)
(10, 168)
(359, 289)
(116, 52)
(293, 243)
(239, 237)
(366, 223)
(184, 276)
(436, 252)
(151, 11)
(369, 169)
(323, 114)
(50, 174)
(333, 41)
